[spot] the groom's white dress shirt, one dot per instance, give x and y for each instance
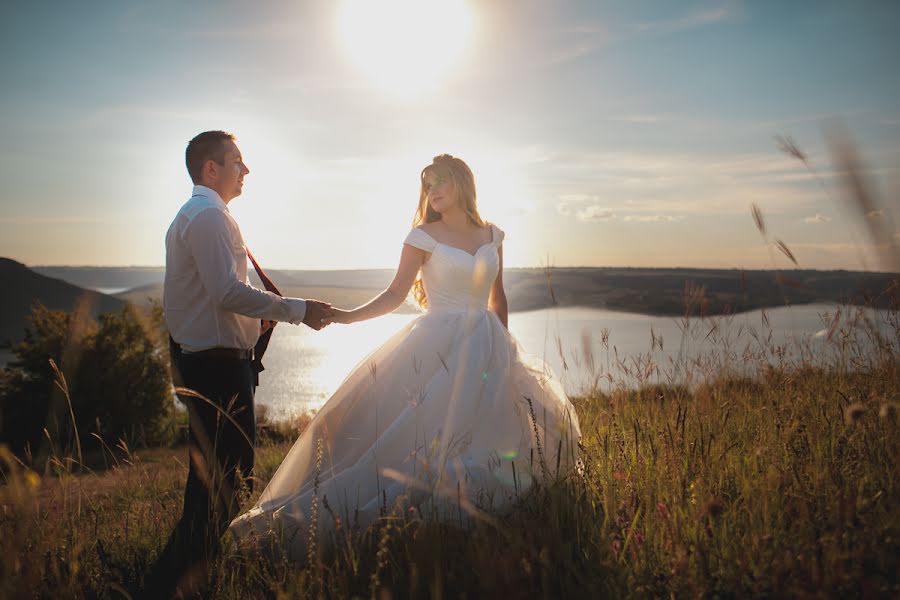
(208, 301)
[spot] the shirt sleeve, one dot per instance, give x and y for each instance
(214, 246)
(419, 239)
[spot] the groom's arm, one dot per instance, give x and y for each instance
(215, 245)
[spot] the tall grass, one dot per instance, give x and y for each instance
(784, 482)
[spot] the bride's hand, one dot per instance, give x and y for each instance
(339, 316)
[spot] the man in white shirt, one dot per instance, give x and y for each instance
(214, 318)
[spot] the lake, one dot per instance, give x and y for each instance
(304, 367)
(584, 347)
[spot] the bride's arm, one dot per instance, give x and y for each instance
(411, 260)
(497, 301)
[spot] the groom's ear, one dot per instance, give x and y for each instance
(209, 170)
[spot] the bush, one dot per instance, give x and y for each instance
(26, 386)
(123, 387)
(118, 382)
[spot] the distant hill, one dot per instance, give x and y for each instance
(23, 286)
(648, 291)
(94, 278)
(662, 291)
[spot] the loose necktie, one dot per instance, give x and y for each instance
(263, 342)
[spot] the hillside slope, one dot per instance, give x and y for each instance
(23, 287)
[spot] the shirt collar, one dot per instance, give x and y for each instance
(202, 190)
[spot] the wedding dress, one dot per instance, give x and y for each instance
(447, 416)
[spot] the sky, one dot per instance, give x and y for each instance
(600, 133)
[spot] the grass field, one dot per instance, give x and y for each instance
(782, 484)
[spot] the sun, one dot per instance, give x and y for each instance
(405, 47)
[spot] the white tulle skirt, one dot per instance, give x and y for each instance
(448, 416)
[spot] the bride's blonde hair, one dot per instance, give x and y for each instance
(464, 185)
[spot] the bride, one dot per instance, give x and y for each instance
(448, 415)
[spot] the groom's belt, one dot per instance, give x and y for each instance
(227, 353)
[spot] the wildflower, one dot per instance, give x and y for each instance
(854, 412)
(638, 538)
(616, 545)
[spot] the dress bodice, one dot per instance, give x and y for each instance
(453, 278)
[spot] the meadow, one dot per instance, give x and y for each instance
(700, 483)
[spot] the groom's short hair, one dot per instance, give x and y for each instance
(209, 145)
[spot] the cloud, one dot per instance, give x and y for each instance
(653, 218)
(588, 38)
(594, 214)
(666, 183)
(584, 207)
(818, 218)
(691, 21)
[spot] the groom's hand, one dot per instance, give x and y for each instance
(317, 314)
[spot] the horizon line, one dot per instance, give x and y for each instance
(542, 268)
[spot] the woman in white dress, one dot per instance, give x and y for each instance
(448, 415)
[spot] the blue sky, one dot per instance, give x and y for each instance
(600, 133)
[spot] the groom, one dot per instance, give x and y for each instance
(214, 318)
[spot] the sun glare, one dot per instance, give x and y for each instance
(405, 47)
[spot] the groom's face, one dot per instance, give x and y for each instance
(230, 175)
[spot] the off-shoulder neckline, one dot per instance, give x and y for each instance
(477, 250)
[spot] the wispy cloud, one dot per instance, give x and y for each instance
(691, 21)
(594, 214)
(653, 218)
(587, 38)
(588, 209)
(652, 183)
(818, 218)
(584, 207)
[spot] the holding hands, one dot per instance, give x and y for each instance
(322, 314)
(318, 314)
(339, 316)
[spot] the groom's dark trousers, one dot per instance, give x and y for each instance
(222, 435)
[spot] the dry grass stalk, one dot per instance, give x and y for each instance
(786, 251)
